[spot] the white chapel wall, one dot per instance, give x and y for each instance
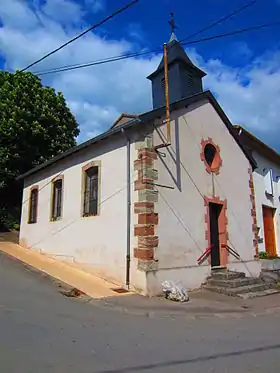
(98, 241)
(182, 227)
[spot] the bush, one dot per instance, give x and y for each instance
(266, 255)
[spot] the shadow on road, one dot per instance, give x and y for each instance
(192, 360)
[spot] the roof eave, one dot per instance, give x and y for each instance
(144, 118)
(260, 143)
(200, 72)
(78, 148)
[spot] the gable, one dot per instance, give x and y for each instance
(206, 125)
(123, 118)
(231, 130)
(149, 116)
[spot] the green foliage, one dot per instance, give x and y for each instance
(35, 125)
(266, 255)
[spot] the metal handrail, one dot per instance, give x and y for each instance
(231, 251)
(206, 252)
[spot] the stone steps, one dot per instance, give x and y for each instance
(236, 284)
(270, 276)
(256, 294)
(235, 291)
(226, 275)
(233, 283)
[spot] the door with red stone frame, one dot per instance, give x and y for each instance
(214, 213)
(216, 233)
(269, 232)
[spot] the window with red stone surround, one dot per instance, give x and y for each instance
(253, 213)
(222, 222)
(210, 155)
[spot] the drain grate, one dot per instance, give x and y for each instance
(120, 290)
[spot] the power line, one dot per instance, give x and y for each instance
(120, 10)
(133, 55)
(215, 23)
(230, 15)
(233, 32)
(98, 62)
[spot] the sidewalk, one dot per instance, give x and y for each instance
(70, 274)
(202, 303)
(100, 292)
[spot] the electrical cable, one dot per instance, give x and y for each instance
(118, 11)
(133, 55)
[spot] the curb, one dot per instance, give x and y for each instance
(191, 314)
(70, 274)
(196, 313)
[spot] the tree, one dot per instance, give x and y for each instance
(35, 125)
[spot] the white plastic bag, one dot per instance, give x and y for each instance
(175, 291)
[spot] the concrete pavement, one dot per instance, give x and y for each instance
(202, 303)
(70, 273)
(43, 331)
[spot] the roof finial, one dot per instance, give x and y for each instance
(173, 27)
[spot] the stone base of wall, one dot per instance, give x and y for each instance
(190, 277)
(193, 277)
(270, 264)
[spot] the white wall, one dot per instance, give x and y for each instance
(182, 226)
(99, 241)
(263, 199)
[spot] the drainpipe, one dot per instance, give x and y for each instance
(128, 212)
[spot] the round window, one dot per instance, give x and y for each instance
(210, 155)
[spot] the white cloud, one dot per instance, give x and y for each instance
(95, 5)
(96, 95)
(64, 11)
(250, 95)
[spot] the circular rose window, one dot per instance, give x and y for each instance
(211, 156)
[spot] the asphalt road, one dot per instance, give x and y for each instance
(44, 331)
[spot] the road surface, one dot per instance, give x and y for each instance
(44, 331)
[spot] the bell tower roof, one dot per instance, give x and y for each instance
(185, 79)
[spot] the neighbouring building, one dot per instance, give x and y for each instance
(267, 190)
(135, 209)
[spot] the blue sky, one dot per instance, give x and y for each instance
(243, 71)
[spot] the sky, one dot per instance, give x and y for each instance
(243, 71)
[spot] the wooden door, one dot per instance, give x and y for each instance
(269, 232)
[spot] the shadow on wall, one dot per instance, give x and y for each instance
(174, 155)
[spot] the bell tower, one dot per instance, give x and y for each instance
(185, 79)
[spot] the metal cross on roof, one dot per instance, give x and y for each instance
(173, 27)
(172, 23)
